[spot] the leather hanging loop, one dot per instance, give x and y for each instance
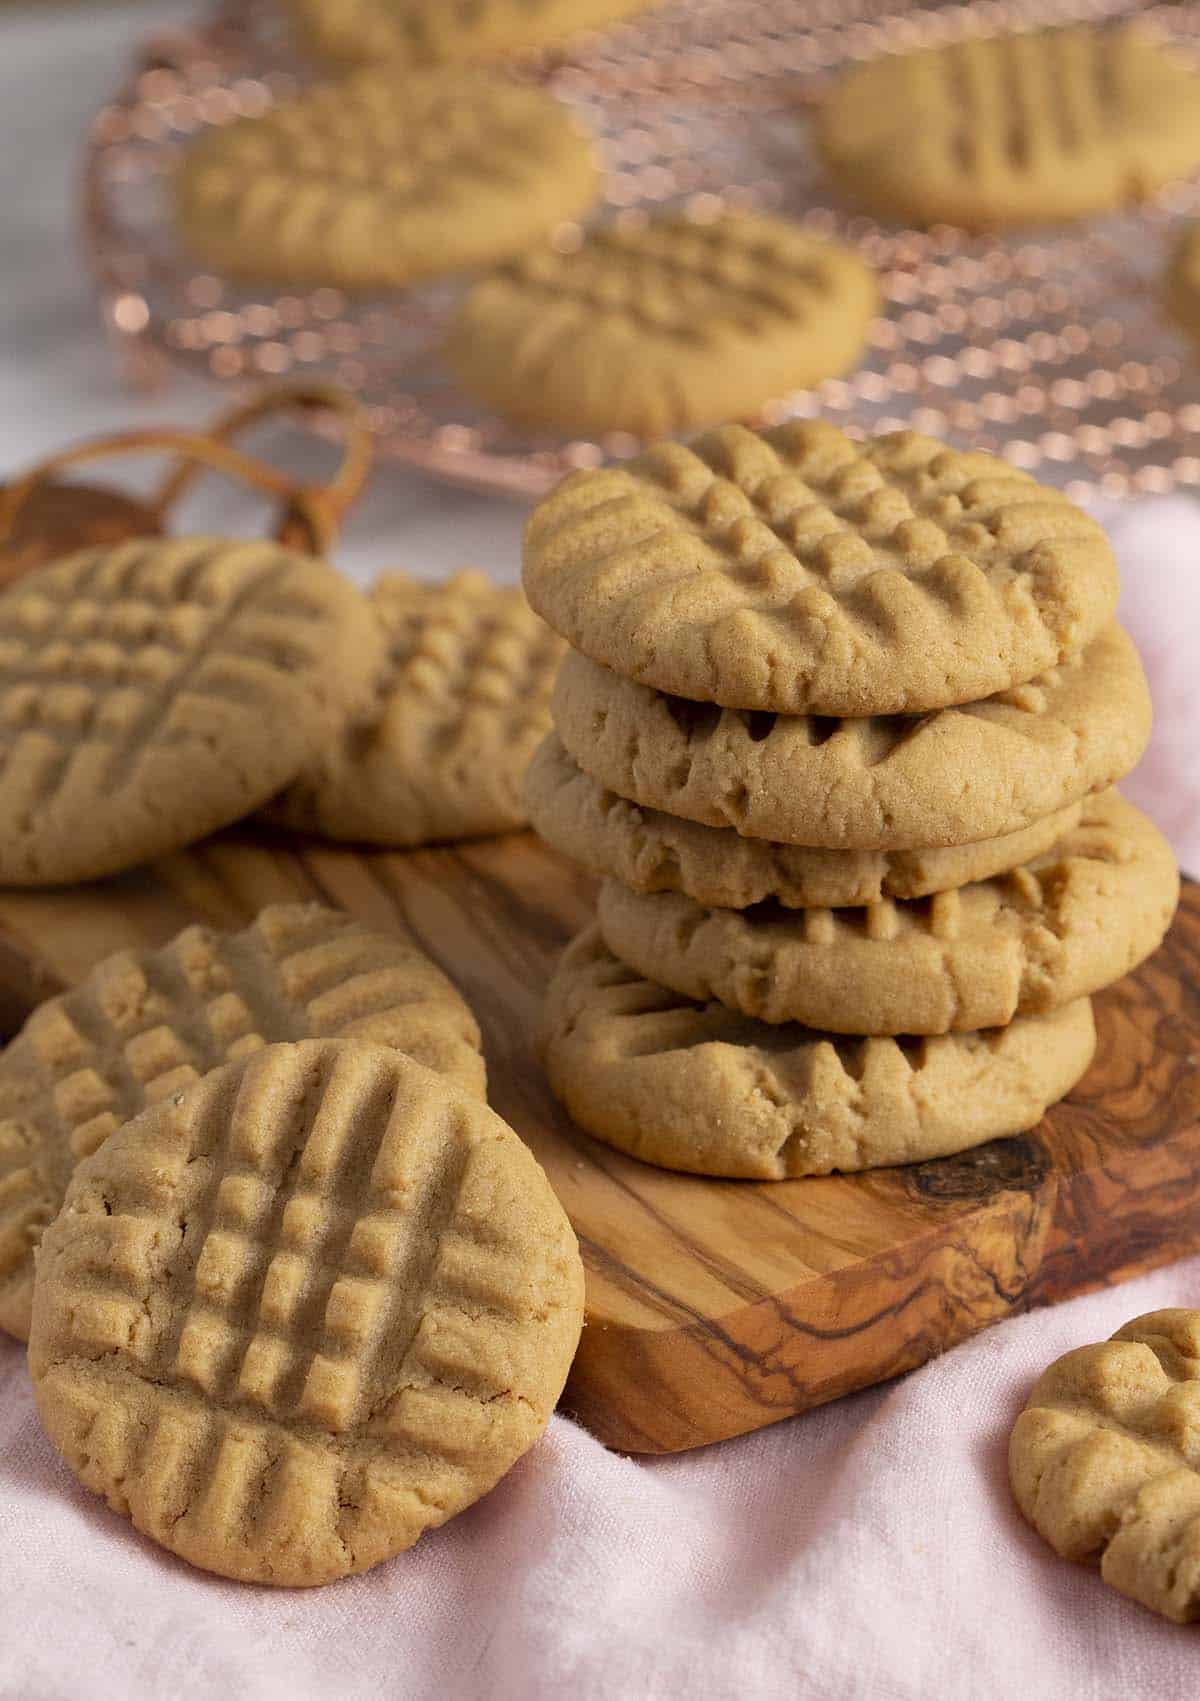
(310, 515)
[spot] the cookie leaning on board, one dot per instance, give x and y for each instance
(293, 1316)
(837, 728)
(143, 1024)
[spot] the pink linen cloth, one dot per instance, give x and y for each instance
(869, 1550)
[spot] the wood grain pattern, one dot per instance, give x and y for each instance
(717, 1307)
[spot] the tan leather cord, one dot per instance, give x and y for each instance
(311, 514)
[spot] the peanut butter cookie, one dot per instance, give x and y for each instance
(696, 1087)
(663, 327)
(379, 180)
(799, 572)
(1103, 1460)
(1013, 129)
(145, 1023)
(1066, 925)
(294, 1316)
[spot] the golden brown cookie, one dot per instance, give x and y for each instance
(984, 770)
(379, 180)
(800, 572)
(696, 1087)
(411, 33)
(1066, 925)
(464, 702)
(145, 1023)
(652, 852)
(1104, 1465)
(1182, 282)
(1015, 129)
(665, 326)
(152, 692)
(295, 1316)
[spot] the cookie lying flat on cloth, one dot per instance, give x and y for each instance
(1103, 1460)
(432, 32)
(1015, 129)
(377, 181)
(1066, 925)
(979, 771)
(145, 1023)
(800, 572)
(649, 851)
(665, 326)
(293, 1317)
(153, 692)
(463, 703)
(696, 1087)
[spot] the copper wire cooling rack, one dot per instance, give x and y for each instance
(1048, 346)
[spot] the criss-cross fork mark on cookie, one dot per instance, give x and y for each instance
(155, 691)
(797, 570)
(465, 646)
(680, 278)
(145, 1024)
(464, 698)
(354, 180)
(101, 654)
(1027, 125)
(348, 1318)
(1105, 1460)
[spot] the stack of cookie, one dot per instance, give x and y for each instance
(838, 730)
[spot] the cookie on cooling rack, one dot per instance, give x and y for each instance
(463, 703)
(432, 32)
(379, 180)
(1065, 925)
(1013, 129)
(155, 691)
(1103, 1460)
(663, 326)
(291, 1318)
(700, 1088)
(800, 572)
(650, 851)
(144, 1024)
(884, 783)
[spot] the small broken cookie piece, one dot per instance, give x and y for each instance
(1105, 1460)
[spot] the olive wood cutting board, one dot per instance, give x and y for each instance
(716, 1307)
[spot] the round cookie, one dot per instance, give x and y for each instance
(979, 771)
(146, 1023)
(1103, 1460)
(464, 701)
(800, 572)
(652, 852)
(696, 1087)
(1066, 925)
(1014, 129)
(1182, 282)
(376, 181)
(152, 692)
(412, 33)
(295, 1316)
(663, 327)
